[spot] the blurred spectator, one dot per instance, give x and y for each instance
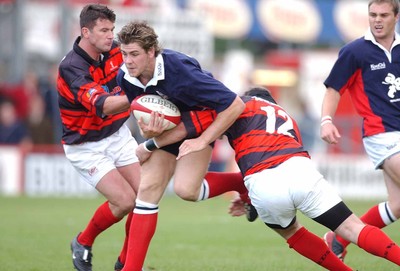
(12, 129)
(17, 94)
(48, 89)
(29, 108)
(39, 125)
(35, 104)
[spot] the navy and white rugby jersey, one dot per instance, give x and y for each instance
(180, 79)
(371, 74)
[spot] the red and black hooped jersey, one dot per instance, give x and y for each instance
(263, 136)
(83, 85)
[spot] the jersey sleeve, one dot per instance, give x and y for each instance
(195, 87)
(82, 87)
(342, 74)
(196, 122)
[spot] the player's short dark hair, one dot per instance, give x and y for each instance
(92, 12)
(140, 32)
(395, 4)
(262, 93)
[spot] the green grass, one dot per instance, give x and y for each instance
(35, 235)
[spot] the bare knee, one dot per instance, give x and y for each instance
(124, 204)
(152, 191)
(186, 193)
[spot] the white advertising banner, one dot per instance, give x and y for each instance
(10, 171)
(353, 176)
(50, 174)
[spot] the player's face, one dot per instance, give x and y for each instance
(101, 36)
(138, 62)
(382, 21)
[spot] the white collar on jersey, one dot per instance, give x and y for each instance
(159, 74)
(369, 36)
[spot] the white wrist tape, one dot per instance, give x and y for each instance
(326, 118)
(325, 122)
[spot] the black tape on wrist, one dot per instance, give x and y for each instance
(150, 145)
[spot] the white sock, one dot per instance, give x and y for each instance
(204, 191)
(386, 214)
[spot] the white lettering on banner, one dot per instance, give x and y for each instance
(51, 174)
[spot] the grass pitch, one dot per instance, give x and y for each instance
(35, 234)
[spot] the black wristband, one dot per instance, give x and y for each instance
(150, 145)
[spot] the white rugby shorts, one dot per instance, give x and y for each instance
(381, 146)
(296, 184)
(93, 160)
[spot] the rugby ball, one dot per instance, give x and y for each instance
(142, 106)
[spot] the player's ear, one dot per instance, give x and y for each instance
(85, 32)
(151, 52)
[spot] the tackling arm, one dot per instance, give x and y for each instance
(221, 123)
(115, 104)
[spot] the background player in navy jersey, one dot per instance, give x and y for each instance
(282, 179)
(369, 69)
(148, 69)
(96, 141)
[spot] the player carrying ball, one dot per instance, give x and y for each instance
(281, 179)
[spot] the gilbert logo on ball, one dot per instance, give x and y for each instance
(142, 107)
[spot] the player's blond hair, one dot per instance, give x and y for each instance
(140, 32)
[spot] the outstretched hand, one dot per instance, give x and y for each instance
(237, 207)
